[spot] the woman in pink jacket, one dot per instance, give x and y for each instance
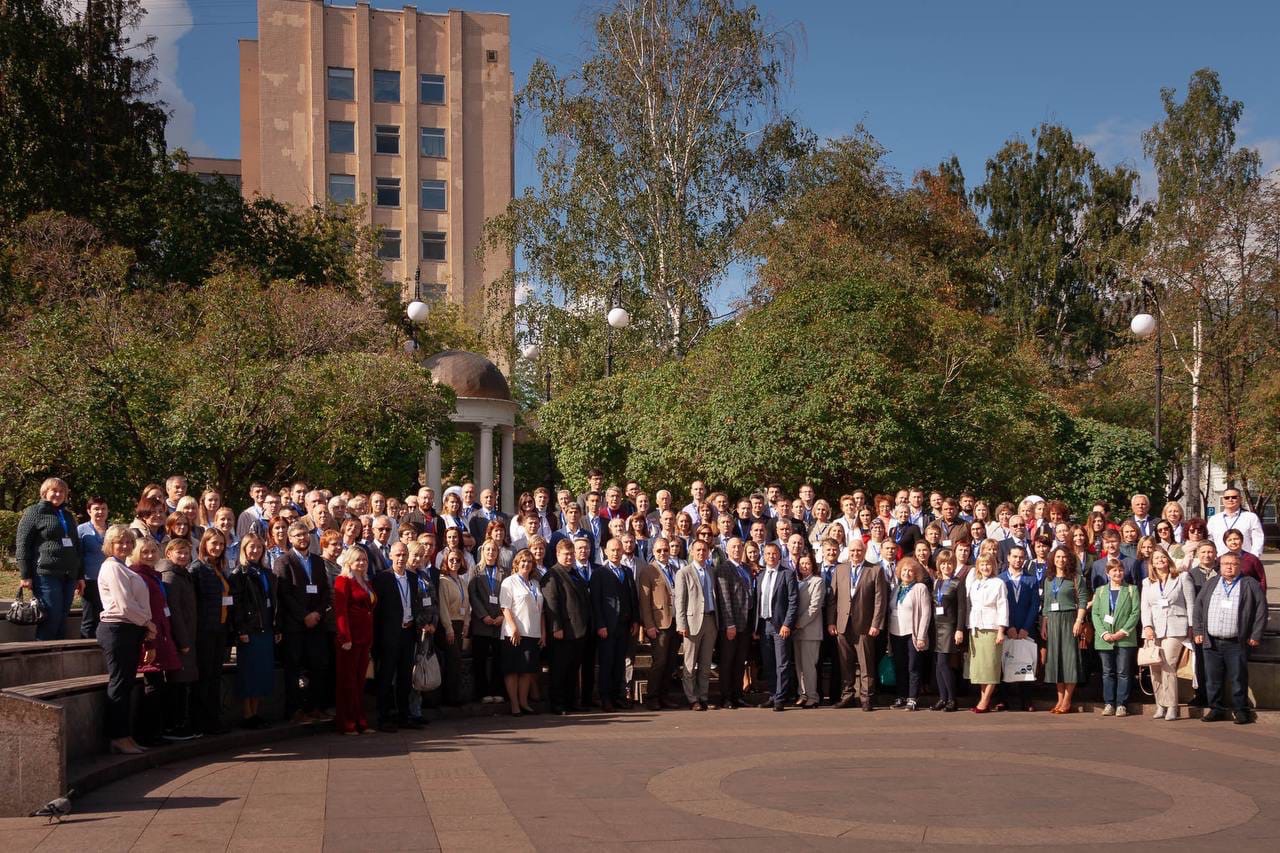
(909, 631)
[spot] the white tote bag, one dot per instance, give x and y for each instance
(1018, 660)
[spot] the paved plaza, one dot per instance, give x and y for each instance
(727, 780)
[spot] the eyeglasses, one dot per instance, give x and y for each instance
(382, 529)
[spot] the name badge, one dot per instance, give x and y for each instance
(1109, 619)
(493, 599)
(166, 611)
(1055, 606)
(226, 600)
(939, 610)
(66, 542)
(1164, 602)
(426, 601)
(312, 589)
(946, 543)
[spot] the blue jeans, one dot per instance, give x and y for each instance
(1226, 670)
(55, 593)
(1117, 674)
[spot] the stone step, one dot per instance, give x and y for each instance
(23, 663)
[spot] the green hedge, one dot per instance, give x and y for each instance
(8, 531)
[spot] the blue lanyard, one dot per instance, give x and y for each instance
(62, 519)
(1228, 588)
(489, 572)
(942, 590)
(1056, 585)
(532, 587)
(1114, 593)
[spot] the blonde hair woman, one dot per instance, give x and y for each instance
(1168, 598)
(988, 618)
(353, 602)
(909, 631)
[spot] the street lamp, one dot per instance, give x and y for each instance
(1143, 326)
(617, 318)
(416, 311)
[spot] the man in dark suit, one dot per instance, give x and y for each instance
(856, 613)
(396, 618)
(305, 601)
(615, 612)
(734, 607)
(379, 547)
(583, 569)
(1017, 539)
(776, 611)
(478, 523)
(1111, 550)
(568, 609)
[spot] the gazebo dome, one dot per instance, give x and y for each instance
(469, 374)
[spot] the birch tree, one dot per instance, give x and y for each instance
(656, 149)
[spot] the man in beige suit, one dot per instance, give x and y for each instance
(856, 615)
(657, 585)
(696, 623)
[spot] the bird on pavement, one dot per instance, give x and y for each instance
(55, 809)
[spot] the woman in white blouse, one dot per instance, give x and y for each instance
(1168, 598)
(988, 617)
(124, 624)
(521, 600)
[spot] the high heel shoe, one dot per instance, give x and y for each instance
(118, 748)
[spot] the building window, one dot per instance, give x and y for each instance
(342, 84)
(386, 87)
(390, 248)
(386, 139)
(342, 137)
(433, 196)
(386, 193)
(432, 142)
(432, 89)
(342, 188)
(433, 245)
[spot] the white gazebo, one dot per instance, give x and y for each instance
(484, 405)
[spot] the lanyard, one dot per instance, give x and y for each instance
(532, 587)
(942, 590)
(1056, 585)
(489, 572)
(1228, 588)
(1016, 583)
(1114, 593)
(62, 519)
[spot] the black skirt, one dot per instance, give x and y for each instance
(522, 659)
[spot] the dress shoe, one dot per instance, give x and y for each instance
(950, 706)
(847, 702)
(1243, 718)
(939, 705)
(867, 706)
(779, 707)
(1213, 716)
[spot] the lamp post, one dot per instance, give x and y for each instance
(617, 318)
(1145, 325)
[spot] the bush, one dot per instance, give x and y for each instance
(8, 531)
(1104, 462)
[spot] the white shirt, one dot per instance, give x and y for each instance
(1244, 521)
(524, 601)
(988, 604)
(766, 592)
(692, 510)
(125, 597)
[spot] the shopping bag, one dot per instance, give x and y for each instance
(886, 673)
(1149, 654)
(1187, 662)
(1018, 660)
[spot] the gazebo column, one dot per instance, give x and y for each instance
(508, 473)
(433, 470)
(484, 458)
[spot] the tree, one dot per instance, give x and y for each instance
(78, 130)
(1063, 232)
(657, 149)
(1214, 258)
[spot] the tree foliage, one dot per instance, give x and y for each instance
(657, 149)
(1064, 232)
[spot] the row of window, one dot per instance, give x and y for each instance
(386, 86)
(386, 192)
(386, 139)
(432, 245)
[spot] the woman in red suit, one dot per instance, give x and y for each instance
(353, 601)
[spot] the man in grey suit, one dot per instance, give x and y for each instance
(733, 603)
(696, 623)
(776, 610)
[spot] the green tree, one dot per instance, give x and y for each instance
(657, 149)
(78, 129)
(1214, 260)
(1064, 231)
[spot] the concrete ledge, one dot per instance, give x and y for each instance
(33, 752)
(32, 663)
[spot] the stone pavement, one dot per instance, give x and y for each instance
(726, 780)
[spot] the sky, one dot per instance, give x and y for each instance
(927, 78)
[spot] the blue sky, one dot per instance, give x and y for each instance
(928, 79)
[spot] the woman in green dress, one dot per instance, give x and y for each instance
(1065, 599)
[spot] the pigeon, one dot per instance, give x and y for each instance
(57, 809)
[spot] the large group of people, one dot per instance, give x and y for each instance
(803, 601)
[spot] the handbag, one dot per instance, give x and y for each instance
(1149, 654)
(1086, 636)
(26, 612)
(1018, 660)
(426, 669)
(885, 672)
(1186, 663)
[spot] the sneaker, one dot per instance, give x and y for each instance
(1159, 714)
(911, 704)
(1171, 713)
(1109, 711)
(898, 704)
(1122, 711)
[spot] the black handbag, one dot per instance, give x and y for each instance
(26, 612)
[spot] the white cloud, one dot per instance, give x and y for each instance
(168, 21)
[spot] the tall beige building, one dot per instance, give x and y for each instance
(408, 111)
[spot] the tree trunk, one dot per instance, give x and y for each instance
(1193, 488)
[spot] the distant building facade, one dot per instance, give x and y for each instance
(409, 112)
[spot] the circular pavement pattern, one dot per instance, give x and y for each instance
(1184, 798)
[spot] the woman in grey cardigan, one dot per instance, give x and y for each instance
(1168, 598)
(807, 636)
(949, 611)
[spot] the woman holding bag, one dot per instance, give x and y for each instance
(1168, 597)
(1115, 612)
